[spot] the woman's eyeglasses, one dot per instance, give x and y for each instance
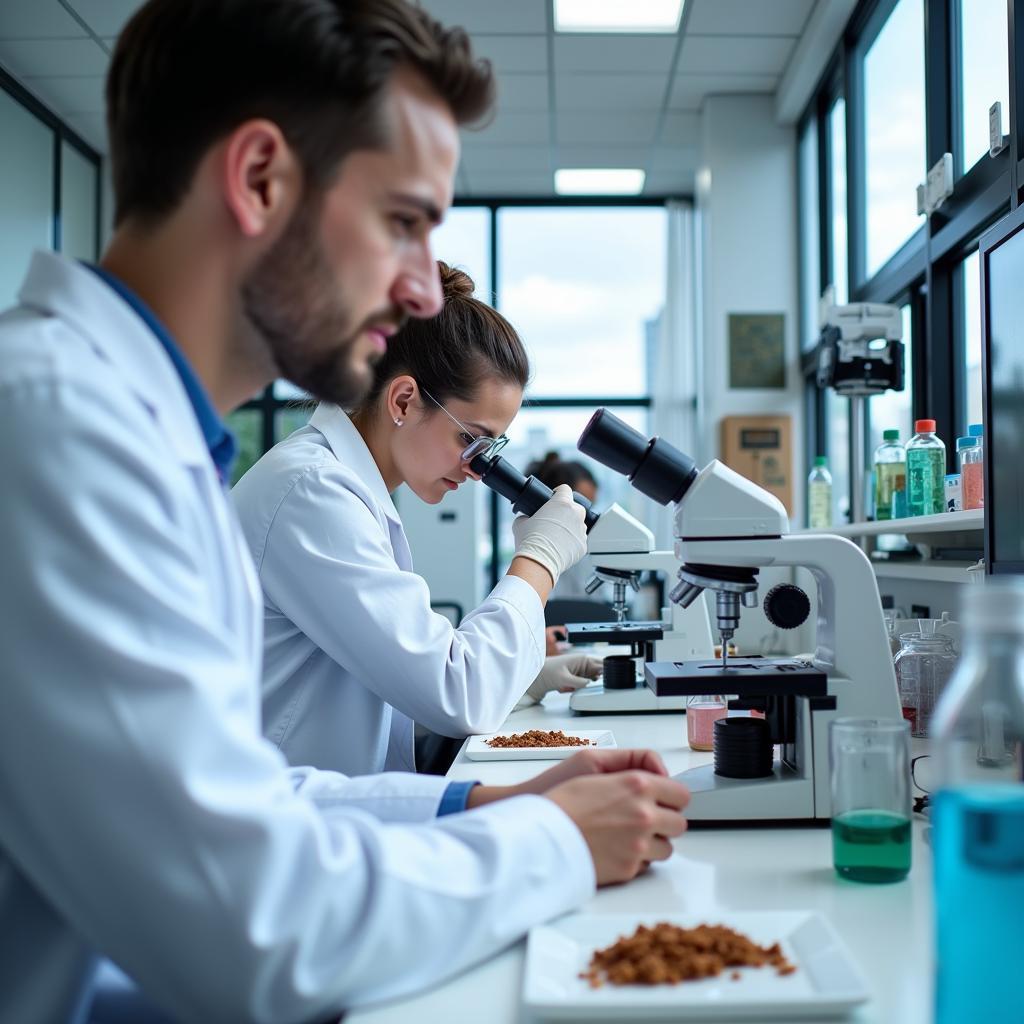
(475, 444)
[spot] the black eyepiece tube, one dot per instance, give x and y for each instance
(526, 493)
(654, 467)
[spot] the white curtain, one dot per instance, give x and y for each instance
(674, 389)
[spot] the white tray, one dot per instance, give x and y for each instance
(827, 982)
(478, 750)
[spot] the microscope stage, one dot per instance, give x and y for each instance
(751, 677)
(613, 632)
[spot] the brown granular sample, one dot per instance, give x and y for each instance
(539, 738)
(665, 954)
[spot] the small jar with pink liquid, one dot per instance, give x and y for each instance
(701, 714)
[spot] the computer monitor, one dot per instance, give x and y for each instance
(1002, 317)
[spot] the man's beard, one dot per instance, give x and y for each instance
(293, 302)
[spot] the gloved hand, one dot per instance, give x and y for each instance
(554, 536)
(564, 673)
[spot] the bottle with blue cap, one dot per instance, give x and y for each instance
(972, 467)
(971, 460)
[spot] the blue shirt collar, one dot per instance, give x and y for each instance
(221, 442)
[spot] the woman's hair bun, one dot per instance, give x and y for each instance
(454, 282)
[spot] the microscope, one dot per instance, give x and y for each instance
(775, 769)
(621, 549)
(860, 354)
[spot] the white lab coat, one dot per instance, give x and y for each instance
(353, 653)
(142, 815)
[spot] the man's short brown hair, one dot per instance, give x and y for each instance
(185, 73)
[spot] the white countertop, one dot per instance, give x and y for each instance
(887, 928)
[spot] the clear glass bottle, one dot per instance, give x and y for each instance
(819, 495)
(701, 714)
(924, 665)
(890, 472)
(970, 456)
(926, 471)
(978, 816)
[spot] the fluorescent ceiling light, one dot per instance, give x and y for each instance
(599, 181)
(617, 15)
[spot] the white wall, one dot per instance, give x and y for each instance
(748, 263)
(746, 198)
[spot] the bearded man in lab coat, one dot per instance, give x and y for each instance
(278, 166)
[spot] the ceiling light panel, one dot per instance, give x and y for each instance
(617, 15)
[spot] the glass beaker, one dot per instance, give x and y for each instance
(870, 764)
(924, 664)
(701, 714)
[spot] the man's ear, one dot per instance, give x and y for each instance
(261, 177)
(400, 395)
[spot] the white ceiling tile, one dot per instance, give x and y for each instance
(609, 92)
(522, 92)
(602, 53)
(688, 91)
(680, 129)
(755, 17)
(47, 57)
(746, 53)
(512, 183)
(509, 158)
(43, 19)
(517, 54)
(531, 128)
(478, 16)
(70, 94)
(92, 128)
(578, 126)
(602, 156)
(105, 17)
(669, 159)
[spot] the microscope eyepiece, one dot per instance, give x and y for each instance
(526, 493)
(654, 467)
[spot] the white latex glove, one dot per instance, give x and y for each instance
(554, 536)
(564, 673)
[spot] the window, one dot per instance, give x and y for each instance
(247, 426)
(895, 409)
(837, 198)
(983, 74)
(584, 286)
(971, 283)
(78, 212)
(894, 131)
(26, 193)
(810, 253)
(463, 240)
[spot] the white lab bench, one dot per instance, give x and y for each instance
(888, 928)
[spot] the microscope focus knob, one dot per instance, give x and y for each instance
(786, 606)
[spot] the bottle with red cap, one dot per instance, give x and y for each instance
(926, 471)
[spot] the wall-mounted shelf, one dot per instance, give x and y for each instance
(945, 522)
(932, 572)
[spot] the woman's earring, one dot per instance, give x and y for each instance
(398, 422)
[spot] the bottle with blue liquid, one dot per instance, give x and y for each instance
(978, 816)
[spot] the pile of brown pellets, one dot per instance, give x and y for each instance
(539, 738)
(665, 954)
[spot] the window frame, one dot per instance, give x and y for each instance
(926, 269)
(61, 133)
